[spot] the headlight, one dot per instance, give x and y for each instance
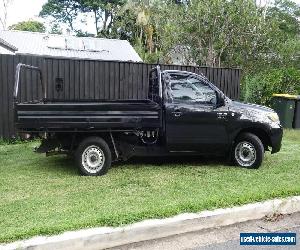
(273, 117)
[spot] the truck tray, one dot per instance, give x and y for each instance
(58, 115)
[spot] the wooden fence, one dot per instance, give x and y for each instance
(88, 79)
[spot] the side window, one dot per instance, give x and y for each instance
(188, 88)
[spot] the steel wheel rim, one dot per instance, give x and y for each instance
(93, 159)
(245, 154)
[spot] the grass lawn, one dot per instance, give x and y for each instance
(40, 195)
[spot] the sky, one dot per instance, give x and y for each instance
(22, 10)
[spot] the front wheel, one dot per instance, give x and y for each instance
(93, 156)
(248, 151)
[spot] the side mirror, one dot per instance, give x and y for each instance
(221, 99)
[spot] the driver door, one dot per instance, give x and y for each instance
(192, 121)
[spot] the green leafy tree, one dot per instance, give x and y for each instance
(135, 21)
(287, 14)
(282, 74)
(56, 29)
(62, 11)
(104, 12)
(219, 33)
(81, 33)
(68, 11)
(33, 26)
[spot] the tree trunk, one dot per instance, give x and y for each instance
(71, 25)
(96, 21)
(109, 25)
(141, 34)
(210, 55)
(106, 15)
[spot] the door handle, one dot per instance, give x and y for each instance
(177, 113)
(222, 115)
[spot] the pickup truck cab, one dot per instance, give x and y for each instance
(184, 114)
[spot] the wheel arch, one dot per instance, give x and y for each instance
(108, 137)
(259, 132)
(71, 141)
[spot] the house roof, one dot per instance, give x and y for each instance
(7, 45)
(33, 43)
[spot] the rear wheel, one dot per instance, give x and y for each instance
(248, 151)
(93, 156)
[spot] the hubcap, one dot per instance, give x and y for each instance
(93, 159)
(245, 154)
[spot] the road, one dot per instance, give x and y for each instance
(224, 238)
(234, 244)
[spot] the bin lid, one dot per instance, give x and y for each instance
(287, 96)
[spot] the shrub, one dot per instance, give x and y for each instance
(259, 88)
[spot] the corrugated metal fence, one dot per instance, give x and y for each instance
(87, 79)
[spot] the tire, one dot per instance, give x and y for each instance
(93, 157)
(248, 151)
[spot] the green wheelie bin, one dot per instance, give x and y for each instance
(297, 113)
(285, 105)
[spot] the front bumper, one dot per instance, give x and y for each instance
(276, 139)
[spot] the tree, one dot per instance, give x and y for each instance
(68, 12)
(218, 33)
(4, 10)
(287, 13)
(64, 11)
(81, 33)
(56, 29)
(135, 21)
(247, 33)
(33, 26)
(104, 12)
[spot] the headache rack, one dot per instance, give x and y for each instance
(19, 68)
